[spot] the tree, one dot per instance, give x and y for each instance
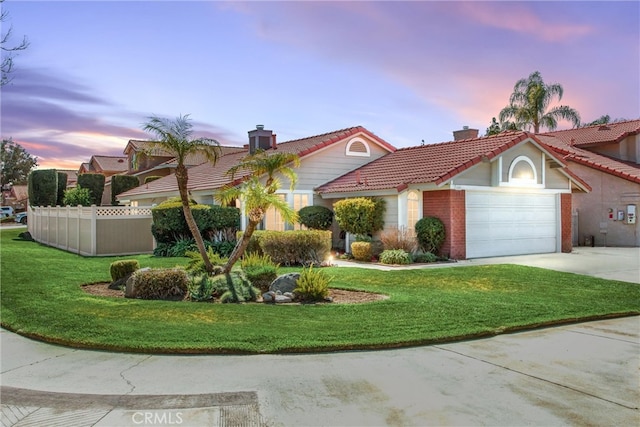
(16, 163)
(529, 103)
(496, 128)
(257, 197)
(603, 120)
(8, 52)
(174, 136)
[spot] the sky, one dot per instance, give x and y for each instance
(409, 72)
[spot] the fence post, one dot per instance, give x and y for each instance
(78, 214)
(94, 216)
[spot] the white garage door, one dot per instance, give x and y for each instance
(510, 224)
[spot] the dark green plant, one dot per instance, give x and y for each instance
(120, 184)
(123, 268)
(165, 284)
(95, 183)
(180, 247)
(395, 256)
(77, 196)
(312, 285)
(62, 186)
(200, 287)
(425, 257)
(234, 287)
(42, 186)
(430, 233)
(260, 270)
(316, 217)
(196, 264)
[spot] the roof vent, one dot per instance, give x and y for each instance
(120, 160)
(604, 127)
(260, 127)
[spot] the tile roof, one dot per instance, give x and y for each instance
(110, 163)
(598, 134)
(626, 170)
(208, 176)
(431, 163)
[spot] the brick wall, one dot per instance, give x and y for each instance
(449, 206)
(565, 222)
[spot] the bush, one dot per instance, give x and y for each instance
(355, 215)
(42, 187)
(181, 246)
(122, 183)
(151, 178)
(398, 238)
(95, 183)
(196, 263)
(123, 268)
(425, 257)
(316, 217)
(77, 196)
(312, 285)
(299, 247)
(62, 186)
(164, 284)
(200, 288)
(395, 256)
(234, 287)
(430, 233)
(361, 251)
(260, 270)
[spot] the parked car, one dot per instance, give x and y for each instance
(21, 218)
(7, 211)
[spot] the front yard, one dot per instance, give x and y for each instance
(41, 297)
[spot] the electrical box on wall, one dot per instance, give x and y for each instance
(620, 215)
(631, 214)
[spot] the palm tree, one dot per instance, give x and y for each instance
(257, 197)
(529, 102)
(174, 136)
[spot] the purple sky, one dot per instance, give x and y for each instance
(407, 71)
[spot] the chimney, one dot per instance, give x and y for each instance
(259, 139)
(274, 144)
(358, 180)
(465, 133)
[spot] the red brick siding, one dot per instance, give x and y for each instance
(565, 222)
(450, 207)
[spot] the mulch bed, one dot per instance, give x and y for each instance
(339, 296)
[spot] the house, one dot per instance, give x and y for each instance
(15, 196)
(607, 157)
(501, 195)
(506, 194)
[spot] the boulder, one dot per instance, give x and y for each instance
(269, 297)
(285, 283)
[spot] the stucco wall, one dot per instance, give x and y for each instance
(608, 192)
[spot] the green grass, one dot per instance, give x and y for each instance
(41, 297)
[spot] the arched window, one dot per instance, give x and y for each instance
(413, 209)
(523, 171)
(358, 147)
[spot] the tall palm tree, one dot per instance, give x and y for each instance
(174, 136)
(257, 197)
(529, 102)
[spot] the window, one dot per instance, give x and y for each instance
(299, 201)
(522, 171)
(358, 147)
(413, 209)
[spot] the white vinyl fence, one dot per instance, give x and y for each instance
(93, 230)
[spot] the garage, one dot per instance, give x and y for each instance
(509, 223)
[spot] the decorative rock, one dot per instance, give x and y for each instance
(268, 297)
(282, 299)
(285, 283)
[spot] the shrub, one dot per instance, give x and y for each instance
(395, 256)
(223, 249)
(299, 247)
(151, 178)
(430, 233)
(122, 183)
(234, 287)
(196, 264)
(355, 215)
(312, 285)
(316, 217)
(123, 268)
(95, 183)
(361, 251)
(398, 238)
(181, 246)
(260, 270)
(77, 196)
(62, 186)
(42, 187)
(425, 257)
(165, 284)
(200, 288)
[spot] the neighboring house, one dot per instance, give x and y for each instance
(72, 176)
(107, 166)
(15, 196)
(501, 195)
(607, 157)
(506, 194)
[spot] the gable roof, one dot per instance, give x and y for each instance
(207, 176)
(626, 170)
(109, 163)
(598, 134)
(432, 163)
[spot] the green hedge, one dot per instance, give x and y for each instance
(62, 186)
(42, 187)
(166, 284)
(316, 217)
(300, 247)
(120, 184)
(95, 183)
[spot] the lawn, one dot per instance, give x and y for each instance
(41, 297)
